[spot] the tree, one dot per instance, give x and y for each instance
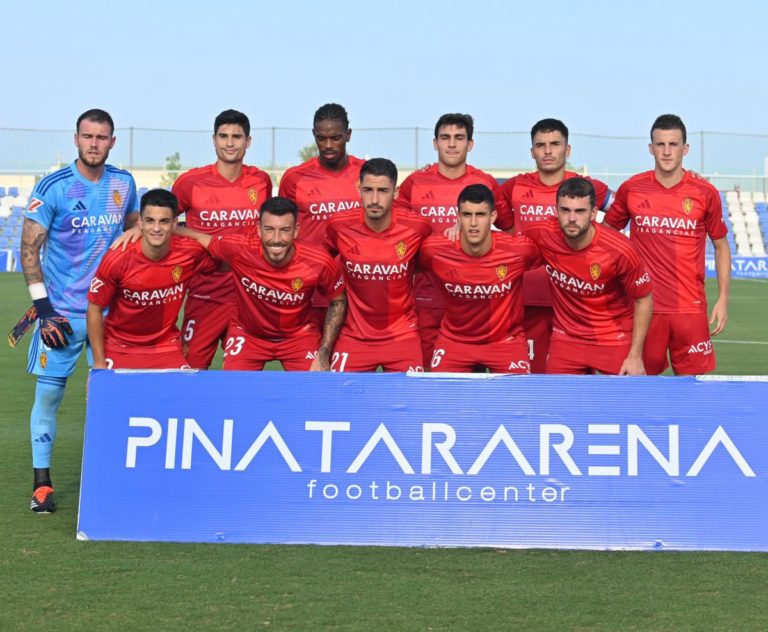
(172, 170)
(308, 151)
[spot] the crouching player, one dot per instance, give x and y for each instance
(601, 288)
(275, 278)
(144, 288)
(481, 279)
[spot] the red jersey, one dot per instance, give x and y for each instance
(483, 295)
(434, 197)
(592, 288)
(144, 296)
(319, 193)
(669, 228)
(275, 302)
(216, 206)
(528, 200)
(378, 269)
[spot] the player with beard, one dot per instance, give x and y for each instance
(73, 216)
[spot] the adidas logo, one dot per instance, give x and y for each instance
(314, 192)
(645, 204)
(528, 195)
(429, 195)
(311, 355)
(44, 438)
(79, 206)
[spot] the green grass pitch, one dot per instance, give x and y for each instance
(48, 580)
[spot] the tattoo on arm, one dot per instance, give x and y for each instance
(334, 319)
(33, 236)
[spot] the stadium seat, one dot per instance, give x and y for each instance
(13, 191)
(732, 196)
(758, 250)
(758, 197)
(745, 196)
(2, 192)
(734, 207)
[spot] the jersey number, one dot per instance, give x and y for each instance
(437, 357)
(530, 349)
(233, 345)
(342, 365)
(189, 331)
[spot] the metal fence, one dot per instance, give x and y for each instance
(727, 159)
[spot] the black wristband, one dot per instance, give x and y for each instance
(43, 307)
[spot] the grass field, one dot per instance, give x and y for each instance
(48, 580)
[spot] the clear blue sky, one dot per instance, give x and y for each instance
(603, 67)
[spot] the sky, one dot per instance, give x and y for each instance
(602, 67)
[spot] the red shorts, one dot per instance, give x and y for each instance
(505, 356)
(686, 336)
(246, 352)
(581, 358)
(537, 323)
(144, 357)
(428, 319)
(205, 326)
(354, 356)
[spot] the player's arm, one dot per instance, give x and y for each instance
(54, 328)
(641, 320)
(719, 316)
(94, 321)
(334, 319)
(201, 238)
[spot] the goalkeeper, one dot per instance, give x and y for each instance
(73, 216)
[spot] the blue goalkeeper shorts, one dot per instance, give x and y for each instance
(59, 362)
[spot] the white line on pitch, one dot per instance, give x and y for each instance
(742, 342)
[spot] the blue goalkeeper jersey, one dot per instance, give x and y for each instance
(82, 219)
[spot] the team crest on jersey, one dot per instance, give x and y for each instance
(118, 199)
(594, 271)
(176, 274)
(297, 284)
(253, 195)
(501, 272)
(43, 359)
(687, 205)
(401, 248)
(34, 204)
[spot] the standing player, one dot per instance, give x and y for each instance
(144, 287)
(76, 212)
(378, 247)
(596, 275)
(432, 192)
(275, 277)
(326, 184)
(531, 198)
(672, 212)
(219, 199)
(481, 276)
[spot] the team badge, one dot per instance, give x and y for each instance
(118, 199)
(594, 271)
(43, 359)
(297, 284)
(687, 205)
(34, 204)
(401, 248)
(176, 274)
(501, 272)
(253, 196)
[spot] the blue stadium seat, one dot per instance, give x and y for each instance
(761, 206)
(13, 191)
(2, 192)
(17, 211)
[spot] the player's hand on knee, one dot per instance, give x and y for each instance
(54, 328)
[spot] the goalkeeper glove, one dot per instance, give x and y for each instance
(54, 328)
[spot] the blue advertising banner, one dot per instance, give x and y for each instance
(592, 462)
(741, 267)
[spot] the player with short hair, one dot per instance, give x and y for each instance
(275, 276)
(481, 276)
(73, 216)
(432, 193)
(377, 247)
(672, 213)
(326, 184)
(531, 198)
(144, 288)
(219, 199)
(596, 275)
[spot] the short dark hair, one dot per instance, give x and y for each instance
(577, 188)
(97, 116)
(549, 125)
(331, 112)
(464, 121)
(669, 122)
(279, 206)
(477, 194)
(232, 117)
(379, 167)
(159, 197)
